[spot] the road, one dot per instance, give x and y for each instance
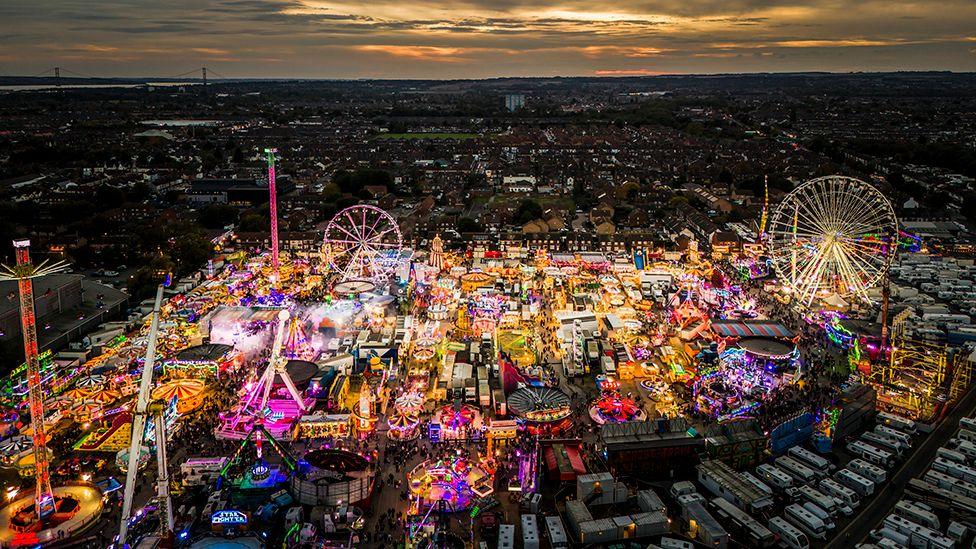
(874, 512)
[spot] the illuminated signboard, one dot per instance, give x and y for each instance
(228, 517)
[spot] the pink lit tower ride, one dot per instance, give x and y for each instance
(24, 272)
(273, 210)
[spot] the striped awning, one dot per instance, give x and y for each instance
(751, 328)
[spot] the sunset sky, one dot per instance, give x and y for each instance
(483, 38)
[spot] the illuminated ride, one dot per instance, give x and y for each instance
(612, 407)
(541, 409)
(363, 242)
(832, 236)
(266, 403)
(456, 422)
(404, 422)
(38, 517)
(454, 480)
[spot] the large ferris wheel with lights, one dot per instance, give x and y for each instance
(363, 243)
(832, 235)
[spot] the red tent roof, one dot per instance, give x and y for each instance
(564, 461)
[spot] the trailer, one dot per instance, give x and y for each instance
(810, 459)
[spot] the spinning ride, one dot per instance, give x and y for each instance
(612, 407)
(832, 235)
(363, 242)
(453, 479)
(543, 409)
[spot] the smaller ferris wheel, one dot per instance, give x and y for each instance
(363, 242)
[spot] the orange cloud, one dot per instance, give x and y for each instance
(418, 53)
(627, 72)
(211, 51)
(95, 48)
(843, 43)
(621, 51)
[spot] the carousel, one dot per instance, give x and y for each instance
(189, 393)
(404, 422)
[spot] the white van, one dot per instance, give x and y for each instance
(837, 490)
(820, 514)
(774, 476)
(964, 447)
(806, 521)
(789, 535)
(873, 473)
(862, 486)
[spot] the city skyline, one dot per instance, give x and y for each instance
(479, 39)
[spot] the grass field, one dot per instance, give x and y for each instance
(427, 135)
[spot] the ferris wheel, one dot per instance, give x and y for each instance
(832, 235)
(363, 243)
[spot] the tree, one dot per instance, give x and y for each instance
(251, 222)
(355, 182)
(217, 216)
(468, 225)
(528, 210)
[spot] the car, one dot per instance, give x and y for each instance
(110, 273)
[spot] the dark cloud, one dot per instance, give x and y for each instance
(461, 38)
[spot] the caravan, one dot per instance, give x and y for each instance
(919, 535)
(917, 513)
(788, 534)
(837, 490)
(757, 534)
(964, 447)
(862, 486)
(958, 470)
(889, 432)
(951, 455)
(806, 521)
(557, 533)
(888, 444)
(798, 470)
(821, 500)
(810, 459)
(968, 424)
(762, 486)
(820, 514)
(897, 422)
(871, 453)
(775, 476)
(967, 435)
(873, 473)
